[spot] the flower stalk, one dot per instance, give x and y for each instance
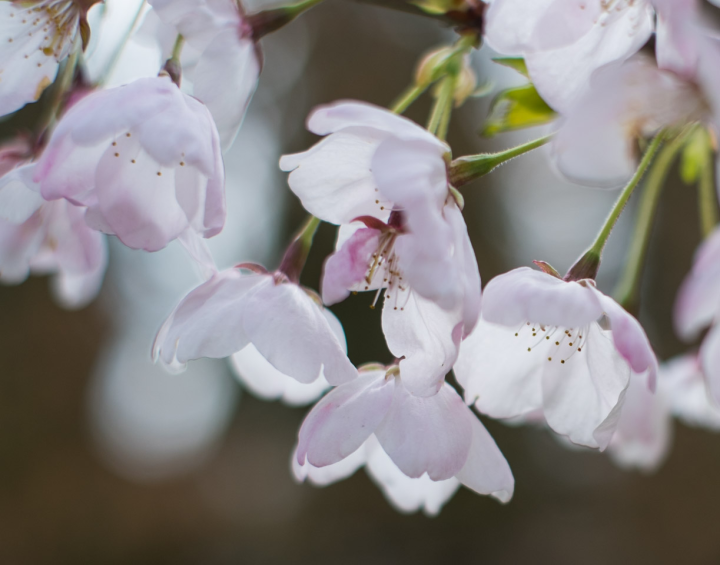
(627, 290)
(707, 198)
(587, 266)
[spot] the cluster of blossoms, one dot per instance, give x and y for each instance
(144, 162)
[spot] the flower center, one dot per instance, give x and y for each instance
(558, 344)
(383, 271)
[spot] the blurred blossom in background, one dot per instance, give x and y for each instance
(106, 458)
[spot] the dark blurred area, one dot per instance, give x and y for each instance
(60, 504)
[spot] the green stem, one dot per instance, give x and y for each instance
(404, 101)
(466, 169)
(707, 198)
(297, 252)
(587, 266)
(626, 291)
(123, 43)
(443, 105)
(178, 47)
(626, 193)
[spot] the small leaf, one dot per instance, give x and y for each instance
(694, 156)
(515, 63)
(517, 108)
(484, 89)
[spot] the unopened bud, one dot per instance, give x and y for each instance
(432, 65)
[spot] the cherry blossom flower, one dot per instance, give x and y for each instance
(565, 41)
(390, 174)
(226, 75)
(698, 305)
(284, 324)
(540, 346)
(405, 494)
(48, 237)
(36, 37)
(436, 438)
(627, 101)
(143, 158)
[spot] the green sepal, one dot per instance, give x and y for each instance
(514, 63)
(517, 108)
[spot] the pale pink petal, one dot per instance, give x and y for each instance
(629, 338)
(342, 115)
(486, 470)
(341, 422)
(208, 322)
(698, 300)
(500, 376)
(643, 433)
(426, 435)
(333, 179)
(424, 336)
(225, 79)
(683, 383)
(291, 331)
(411, 173)
(348, 265)
(406, 494)
(19, 243)
(583, 396)
(464, 256)
(525, 295)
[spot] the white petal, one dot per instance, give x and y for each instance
(427, 435)
(562, 74)
(341, 422)
(582, 397)
(265, 381)
(323, 476)
(486, 471)
(498, 372)
(19, 194)
(424, 335)
(333, 179)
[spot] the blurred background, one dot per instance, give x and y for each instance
(104, 458)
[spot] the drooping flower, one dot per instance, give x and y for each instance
(405, 494)
(36, 37)
(226, 75)
(436, 437)
(48, 238)
(390, 174)
(234, 310)
(143, 158)
(540, 346)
